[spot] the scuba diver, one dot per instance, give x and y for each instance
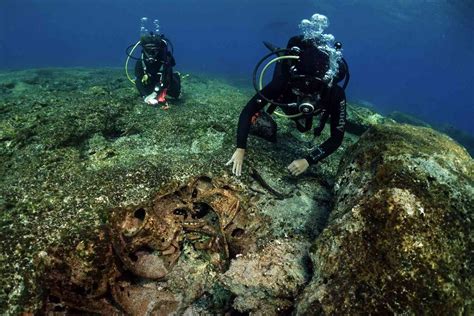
(154, 76)
(304, 85)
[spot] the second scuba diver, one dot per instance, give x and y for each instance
(155, 79)
(303, 86)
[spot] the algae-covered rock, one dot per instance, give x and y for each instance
(405, 118)
(76, 144)
(360, 118)
(266, 282)
(399, 239)
(463, 138)
(86, 164)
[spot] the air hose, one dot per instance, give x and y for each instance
(262, 74)
(128, 59)
(259, 87)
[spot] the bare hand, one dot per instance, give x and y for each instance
(299, 166)
(237, 159)
(151, 98)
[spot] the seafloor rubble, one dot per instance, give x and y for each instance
(154, 258)
(111, 206)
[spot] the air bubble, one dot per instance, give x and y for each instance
(314, 30)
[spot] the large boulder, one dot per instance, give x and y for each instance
(266, 282)
(399, 239)
(463, 138)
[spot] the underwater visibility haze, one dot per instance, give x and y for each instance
(117, 195)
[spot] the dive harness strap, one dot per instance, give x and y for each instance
(147, 76)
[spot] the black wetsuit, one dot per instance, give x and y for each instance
(333, 104)
(160, 75)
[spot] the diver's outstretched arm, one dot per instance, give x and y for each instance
(256, 104)
(338, 124)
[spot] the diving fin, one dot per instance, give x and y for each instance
(272, 47)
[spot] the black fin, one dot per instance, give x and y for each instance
(270, 46)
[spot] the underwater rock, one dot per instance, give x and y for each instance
(359, 119)
(399, 238)
(266, 282)
(465, 139)
(211, 141)
(77, 159)
(5, 87)
(78, 279)
(405, 118)
(303, 212)
(144, 299)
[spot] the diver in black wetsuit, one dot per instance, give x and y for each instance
(300, 90)
(154, 74)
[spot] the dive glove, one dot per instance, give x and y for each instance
(151, 98)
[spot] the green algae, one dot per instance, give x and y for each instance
(461, 137)
(360, 118)
(399, 237)
(76, 143)
(70, 154)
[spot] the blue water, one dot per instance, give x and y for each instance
(411, 56)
